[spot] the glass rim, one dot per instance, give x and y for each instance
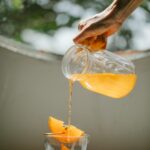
(61, 135)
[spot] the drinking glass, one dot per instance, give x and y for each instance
(58, 142)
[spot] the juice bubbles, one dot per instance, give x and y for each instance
(108, 84)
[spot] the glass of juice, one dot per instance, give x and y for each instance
(61, 142)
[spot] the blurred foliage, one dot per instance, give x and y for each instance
(16, 15)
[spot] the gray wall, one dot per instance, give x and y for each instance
(31, 90)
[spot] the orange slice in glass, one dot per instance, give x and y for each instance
(66, 134)
(63, 147)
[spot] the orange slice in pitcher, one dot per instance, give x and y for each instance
(66, 134)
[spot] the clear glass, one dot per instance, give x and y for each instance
(58, 142)
(78, 60)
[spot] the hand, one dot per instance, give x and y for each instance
(97, 27)
(95, 30)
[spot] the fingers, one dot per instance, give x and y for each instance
(86, 22)
(90, 31)
(80, 37)
(81, 25)
(105, 27)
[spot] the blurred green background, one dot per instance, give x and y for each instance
(30, 21)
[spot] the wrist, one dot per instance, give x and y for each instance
(124, 8)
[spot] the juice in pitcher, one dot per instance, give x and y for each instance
(109, 84)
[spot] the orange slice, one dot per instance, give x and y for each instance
(63, 147)
(69, 134)
(95, 43)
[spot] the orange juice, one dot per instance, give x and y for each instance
(95, 43)
(109, 84)
(70, 101)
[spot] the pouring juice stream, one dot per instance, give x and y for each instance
(70, 102)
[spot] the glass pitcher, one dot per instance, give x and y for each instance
(102, 72)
